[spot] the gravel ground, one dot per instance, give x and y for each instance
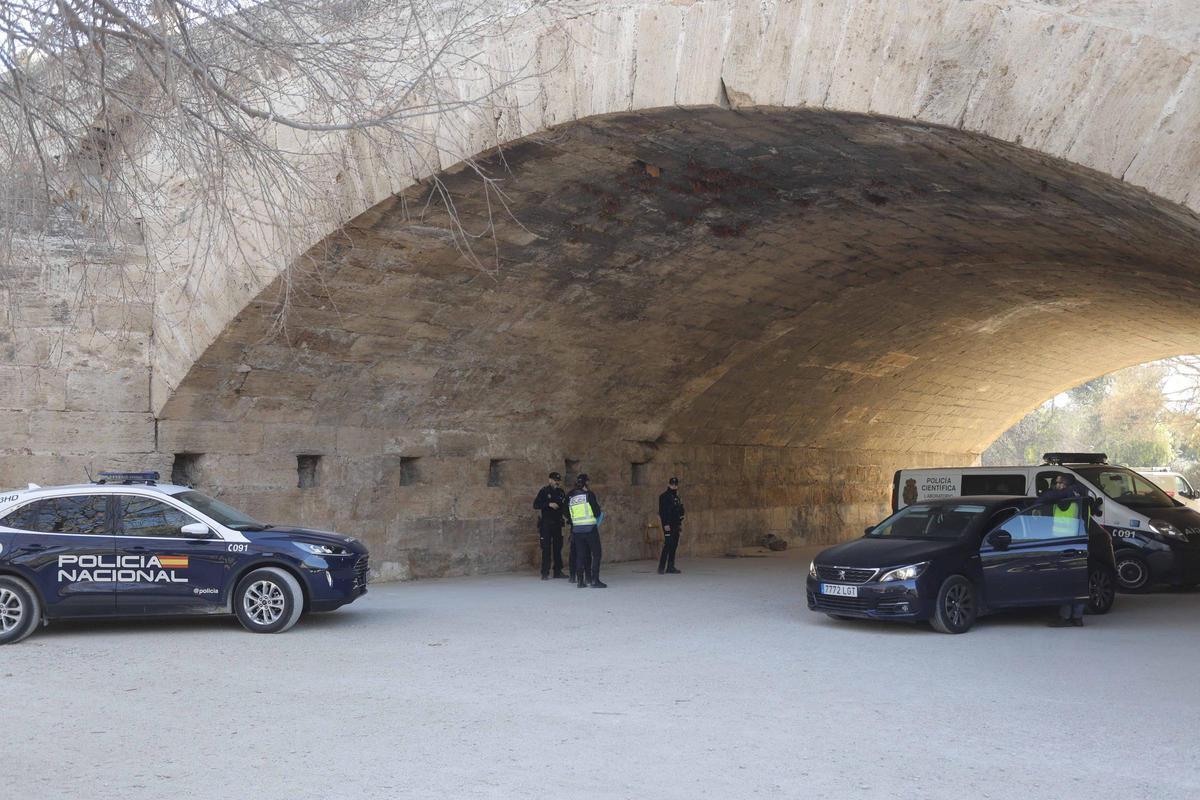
(715, 683)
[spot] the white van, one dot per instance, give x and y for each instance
(1156, 538)
(1174, 484)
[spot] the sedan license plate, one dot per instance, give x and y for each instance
(838, 590)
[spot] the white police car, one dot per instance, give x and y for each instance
(128, 546)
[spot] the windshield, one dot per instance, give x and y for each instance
(944, 522)
(228, 516)
(1126, 487)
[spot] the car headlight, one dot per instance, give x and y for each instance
(1166, 529)
(904, 573)
(812, 569)
(323, 549)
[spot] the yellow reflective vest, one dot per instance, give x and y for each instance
(582, 515)
(1066, 521)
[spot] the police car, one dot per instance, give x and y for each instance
(129, 546)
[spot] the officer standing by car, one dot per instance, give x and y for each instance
(551, 502)
(584, 509)
(1065, 499)
(670, 513)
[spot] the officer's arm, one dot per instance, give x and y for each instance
(595, 504)
(539, 502)
(664, 511)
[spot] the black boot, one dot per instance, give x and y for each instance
(599, 585)
(673, 571)
(559, 575)
(581, 584)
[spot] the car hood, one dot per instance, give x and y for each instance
(290, 534)
(1186, 519)
(867, 552)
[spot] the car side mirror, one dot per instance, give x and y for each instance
(1097, 507)
(1000, 539)
(196, 530)
(868, 530)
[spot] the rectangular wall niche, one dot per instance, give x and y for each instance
(570, 470)
(496, 472)
(410, 473)
(185, 469)
(637, 473)
(308, 471)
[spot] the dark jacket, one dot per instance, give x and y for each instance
(591, 497)
(551, 517)
(670, 509)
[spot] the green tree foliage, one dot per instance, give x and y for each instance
(1131, 415)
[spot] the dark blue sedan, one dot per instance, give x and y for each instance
(951, 561)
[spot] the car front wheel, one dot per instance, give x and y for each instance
(1133, 573)
(1102, 589)
(20, 610)
(268, 600)
(956, 608)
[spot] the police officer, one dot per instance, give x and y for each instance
(551, 501)
(584, 509)
(1065, 499)
(670, 513)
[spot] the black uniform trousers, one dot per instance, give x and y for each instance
(551, 538)
(670, 545)
(587, 551)
(573, 562)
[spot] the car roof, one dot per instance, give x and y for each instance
(98, 488)
(988, 500)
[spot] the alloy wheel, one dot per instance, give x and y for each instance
(264, 602)
(11, 610)
(958, 605)
(1101, 588)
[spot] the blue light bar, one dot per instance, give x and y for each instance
(128, 477)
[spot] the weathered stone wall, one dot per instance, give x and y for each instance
(74, 362)
(781, 306)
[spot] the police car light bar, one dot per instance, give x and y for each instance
(1058, 459)
(128, 477)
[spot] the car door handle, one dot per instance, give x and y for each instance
(33, 548)
(138, 549)
(1074, 552)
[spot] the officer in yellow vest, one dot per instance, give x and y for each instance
(584, 510)
(1065, 499)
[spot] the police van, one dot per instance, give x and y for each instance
(129, 546)
(1156, 539)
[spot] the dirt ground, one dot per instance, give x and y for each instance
(717, 683)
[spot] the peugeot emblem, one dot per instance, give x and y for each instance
(841, 574)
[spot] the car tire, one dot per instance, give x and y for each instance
(268, 600)
(1102, 588)
(1133, 573)
(20, 610)
(956, 607)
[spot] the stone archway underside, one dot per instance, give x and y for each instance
(784, 306)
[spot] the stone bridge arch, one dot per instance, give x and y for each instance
(1097, 83)
(779, 248)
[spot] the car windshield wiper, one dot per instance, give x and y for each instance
(250, 526)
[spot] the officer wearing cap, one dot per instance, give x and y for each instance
(670, 513)
(551, 501)
(584, 509)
